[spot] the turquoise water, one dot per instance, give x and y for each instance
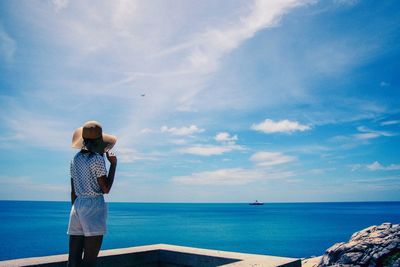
(29, 228)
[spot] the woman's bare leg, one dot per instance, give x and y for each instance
(75, 250)
(92, 246)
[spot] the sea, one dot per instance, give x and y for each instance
(38, 228)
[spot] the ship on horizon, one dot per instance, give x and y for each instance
(256, 203)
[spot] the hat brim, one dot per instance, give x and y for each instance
(108, 141)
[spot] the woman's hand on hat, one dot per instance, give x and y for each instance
(111, 157)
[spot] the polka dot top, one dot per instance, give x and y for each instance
(85, 168)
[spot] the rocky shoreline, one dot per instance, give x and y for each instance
(373, 246)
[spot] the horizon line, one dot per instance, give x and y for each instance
(181, 202)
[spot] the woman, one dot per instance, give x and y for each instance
(89, 181)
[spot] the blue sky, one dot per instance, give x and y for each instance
(278, 101)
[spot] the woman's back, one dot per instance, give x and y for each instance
(86, 167)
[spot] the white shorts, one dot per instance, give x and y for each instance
(88, 216)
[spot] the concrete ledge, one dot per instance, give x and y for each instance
(163, 255)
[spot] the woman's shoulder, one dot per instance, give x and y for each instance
(81, 155)
(88, 157)
(76, 156)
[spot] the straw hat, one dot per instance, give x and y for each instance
(99, 141)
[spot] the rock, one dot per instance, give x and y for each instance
(373, 246)
(351, 257)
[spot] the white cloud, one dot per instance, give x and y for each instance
(192, 129)
(146, 130)
(208, 47)
(339, 110)
(392, 122)
(391, 180)
(193, 56)
(128, 155)
(179, 141)
(283, 126)
(8, 45)
(363, 137)
(375, 166)
(225, 137)
(366, 136)
(234, 176)
(210, 150)
(269, 159)
(367, 133)
(309, 149)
